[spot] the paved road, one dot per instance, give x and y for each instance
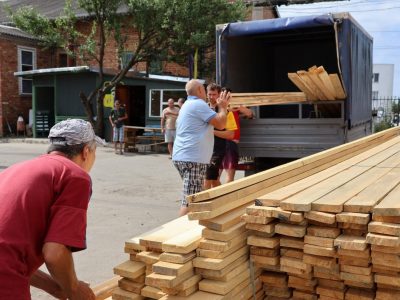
(131, 195)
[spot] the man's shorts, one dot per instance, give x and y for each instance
(118, 134)
(192, 174)
(170, 135)
(231, 158)
(214, 166)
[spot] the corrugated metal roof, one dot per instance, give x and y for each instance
(15, 32)
(48, 8)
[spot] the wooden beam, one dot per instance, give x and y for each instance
(302, 86)
(337, 84)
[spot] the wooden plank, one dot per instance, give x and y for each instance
(389, 205)
(324, 77)
(266, 228)
(185, 242)
(291, 230)
(388, 280)
(365, 201)
(320, 261)
(185, 285)
(157, 236)
(223, 272)
(320, 217)
(337, 84)
(354, 218)
(131, 286)
(130, 269)
(152, 292)
(383, 240)
(325, 232)
(219, 254)
(271, 242)
(199, 295)
(305, 77)
(217, 263)
(226, 220)
(167, 281)
(356, 270)
(319, 241)
(384, 228)
(120, 294)
(302, 86)
(351, 242)
(177, 258)
(314, 159)
(315, 78)
(222, 246)
(291, 242)
(256, 99)
(148, 257)
(166, 268)
(221, 287)
(321, 251)
(359, 294)
(105, 289)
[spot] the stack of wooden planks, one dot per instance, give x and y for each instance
(323, 227)
(314, 85)
(160, 262)
(333, 255)
(317, 84)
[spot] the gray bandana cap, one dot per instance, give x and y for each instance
(73, 132)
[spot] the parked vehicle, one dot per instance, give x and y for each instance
(256, 56)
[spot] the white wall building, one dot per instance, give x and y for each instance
(382, 81)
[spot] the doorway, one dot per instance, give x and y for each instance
(134, 100)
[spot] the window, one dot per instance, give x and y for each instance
(375, 95)
(125, 58)
(62, 60)
(376, 77)
(26, 62)
(159, 100)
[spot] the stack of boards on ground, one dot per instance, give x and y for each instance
(337, 231)
(325, 226)
(314, 85)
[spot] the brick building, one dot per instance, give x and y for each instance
(19, 51)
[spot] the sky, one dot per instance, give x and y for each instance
(380, 18)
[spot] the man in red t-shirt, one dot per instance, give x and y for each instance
(43, 206)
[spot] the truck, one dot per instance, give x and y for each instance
(256, 57)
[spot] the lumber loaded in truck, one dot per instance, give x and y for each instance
(263, 56)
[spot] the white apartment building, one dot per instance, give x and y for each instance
(382, 81)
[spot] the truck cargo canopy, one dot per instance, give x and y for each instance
(267, 26)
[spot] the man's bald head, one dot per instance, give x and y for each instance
(194, 88)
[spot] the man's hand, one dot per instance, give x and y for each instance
(224, 99)
(83, 292)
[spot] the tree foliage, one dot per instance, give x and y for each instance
(166, 30)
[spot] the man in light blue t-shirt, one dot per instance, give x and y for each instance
(194, 140)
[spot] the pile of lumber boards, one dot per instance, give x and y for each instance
(161, 262)
(323, 227)
(314, 85)
(317, 84)
(336, 231)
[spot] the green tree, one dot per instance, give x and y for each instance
(166, 29)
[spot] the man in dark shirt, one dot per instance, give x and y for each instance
(117, 117)
(220, 138)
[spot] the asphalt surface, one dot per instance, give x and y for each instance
(132, 194)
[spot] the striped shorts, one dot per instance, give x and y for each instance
(192, 174)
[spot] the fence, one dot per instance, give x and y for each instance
(385, 113)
